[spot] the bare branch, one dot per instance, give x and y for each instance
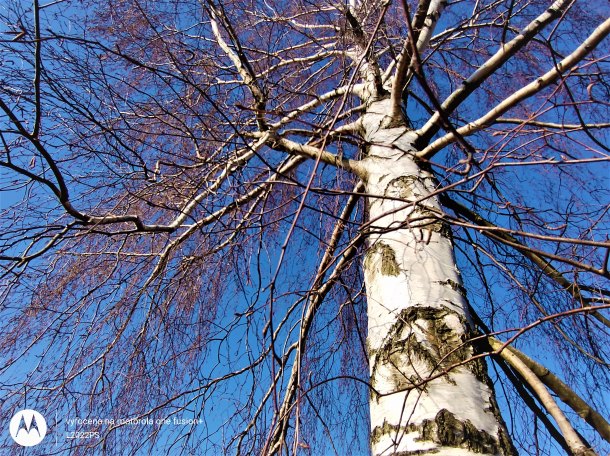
(572, 438)
(525, 92)
(503, 54)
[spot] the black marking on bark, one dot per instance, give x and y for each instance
(389, 265)
(454, 285)
(402, 187)
(445, 346)
(411, 187)
(447, 430)
(429, 220)
(366, 148)
(385, 429)
(445, 340)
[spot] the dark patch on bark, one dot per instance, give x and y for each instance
(449, 431)
(445, 347)
(384, 429)
(402, 187)
(454, 285)
(393, 122)
(445, 341)
(389, 265)
(429, 220)
(366, 147)
(410, 188)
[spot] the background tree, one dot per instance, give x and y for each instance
(254, 214)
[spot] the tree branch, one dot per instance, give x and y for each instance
(426, 17)
(565, 393)
(572, 438)
(525, 92)
(489, 67)
(544, 265)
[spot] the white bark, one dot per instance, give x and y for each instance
(417, 313)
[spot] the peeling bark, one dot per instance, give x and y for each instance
(419, 327)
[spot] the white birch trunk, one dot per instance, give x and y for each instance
(417, 314)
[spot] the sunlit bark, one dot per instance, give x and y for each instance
(418, 319)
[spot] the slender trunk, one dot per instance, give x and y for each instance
(417, 313)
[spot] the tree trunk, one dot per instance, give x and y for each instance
(417, 313)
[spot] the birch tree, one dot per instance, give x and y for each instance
(366, 227)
